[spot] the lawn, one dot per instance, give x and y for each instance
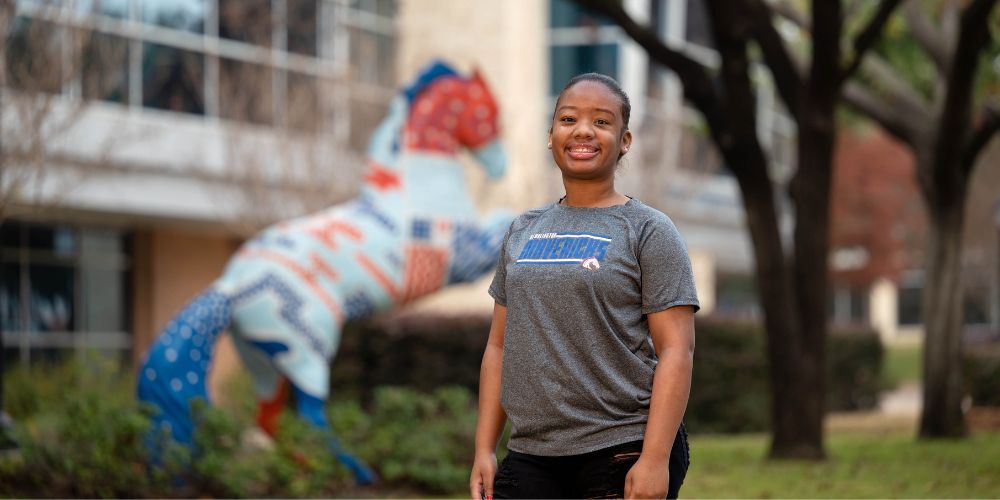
(860, 465)
(902, 364)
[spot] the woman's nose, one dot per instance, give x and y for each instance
(583, 130)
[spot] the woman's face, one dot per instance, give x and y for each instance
(586, 136)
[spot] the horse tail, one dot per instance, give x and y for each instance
(175, 370)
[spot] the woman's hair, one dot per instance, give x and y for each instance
(609, 83)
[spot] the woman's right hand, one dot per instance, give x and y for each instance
(483, 470)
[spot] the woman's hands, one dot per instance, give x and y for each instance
(483, 471)
(648, 478)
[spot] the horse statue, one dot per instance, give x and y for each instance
(286, 294)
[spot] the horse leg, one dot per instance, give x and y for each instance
(278, 330)
(270, 387)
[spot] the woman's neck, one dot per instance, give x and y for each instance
(591, 194)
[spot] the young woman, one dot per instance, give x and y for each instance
(590, 350)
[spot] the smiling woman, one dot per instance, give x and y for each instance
(595, 300)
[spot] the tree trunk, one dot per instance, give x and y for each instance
(942, 313)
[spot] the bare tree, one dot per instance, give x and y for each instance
(284, 162)
(792, 283)
(50, 73)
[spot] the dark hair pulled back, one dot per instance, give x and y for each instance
(610, 83)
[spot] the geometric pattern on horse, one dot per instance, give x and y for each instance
(175, 369)
(291, 306)
(474, 250)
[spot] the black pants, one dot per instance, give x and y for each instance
(598, 474)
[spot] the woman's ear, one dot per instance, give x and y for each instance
(550, 138)
(626, 143)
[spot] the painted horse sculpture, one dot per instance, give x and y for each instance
(287, 293)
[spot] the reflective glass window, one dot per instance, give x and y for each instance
(302, 16)
(568, 61)
(373, 57)
(566, 14)
(34, 56)
(182, 15)
(172, 79)
(246, 21)
(105, 72)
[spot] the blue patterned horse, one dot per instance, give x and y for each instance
(287, 293)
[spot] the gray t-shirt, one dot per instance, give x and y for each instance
(578, 360)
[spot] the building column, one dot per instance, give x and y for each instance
(883, 307)
(703, 266)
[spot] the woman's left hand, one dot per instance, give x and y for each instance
(648, 478)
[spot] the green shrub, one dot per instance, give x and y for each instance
(83, 441)
(982, 373)
(413, 439)
(730, 391)
(89, 440)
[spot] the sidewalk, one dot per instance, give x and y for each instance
(897, 410)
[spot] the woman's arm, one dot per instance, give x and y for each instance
(672, 331)
(491, 415)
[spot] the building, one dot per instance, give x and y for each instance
(142, 140)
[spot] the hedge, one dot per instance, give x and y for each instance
(426, 351)
(981, 363)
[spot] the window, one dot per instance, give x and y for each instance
(172, 79)
(105, 68)
(62, 287)
(571, 60)
(34, 55)
(181, 15)
(302, 27)
(278, 63)
(581, 41)
(247, 21)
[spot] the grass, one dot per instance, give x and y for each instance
(902, 364)
(859, 465)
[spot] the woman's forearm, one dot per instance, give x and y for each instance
(491, 415)
(671, 388)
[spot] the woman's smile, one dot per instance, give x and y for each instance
(582, 151)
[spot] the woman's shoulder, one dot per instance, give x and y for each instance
(641, 215)
(527, 217)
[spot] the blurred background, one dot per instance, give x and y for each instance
(141, 141)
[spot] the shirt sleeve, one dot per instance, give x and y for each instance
(498, 288)
(665, 268)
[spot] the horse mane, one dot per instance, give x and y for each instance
(429, 75)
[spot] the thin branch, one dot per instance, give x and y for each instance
(869, 35)
(988, 126)
(892, 118)
(789, 12)
(786, 71)
(926, 34)
(901, 92)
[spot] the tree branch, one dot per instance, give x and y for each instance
(787, 74)
(989, 124)
(901, 92)
(789, 12)
(869, 35)
(926, 34)
(698, 86)
(950, 145)
(892, 118)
